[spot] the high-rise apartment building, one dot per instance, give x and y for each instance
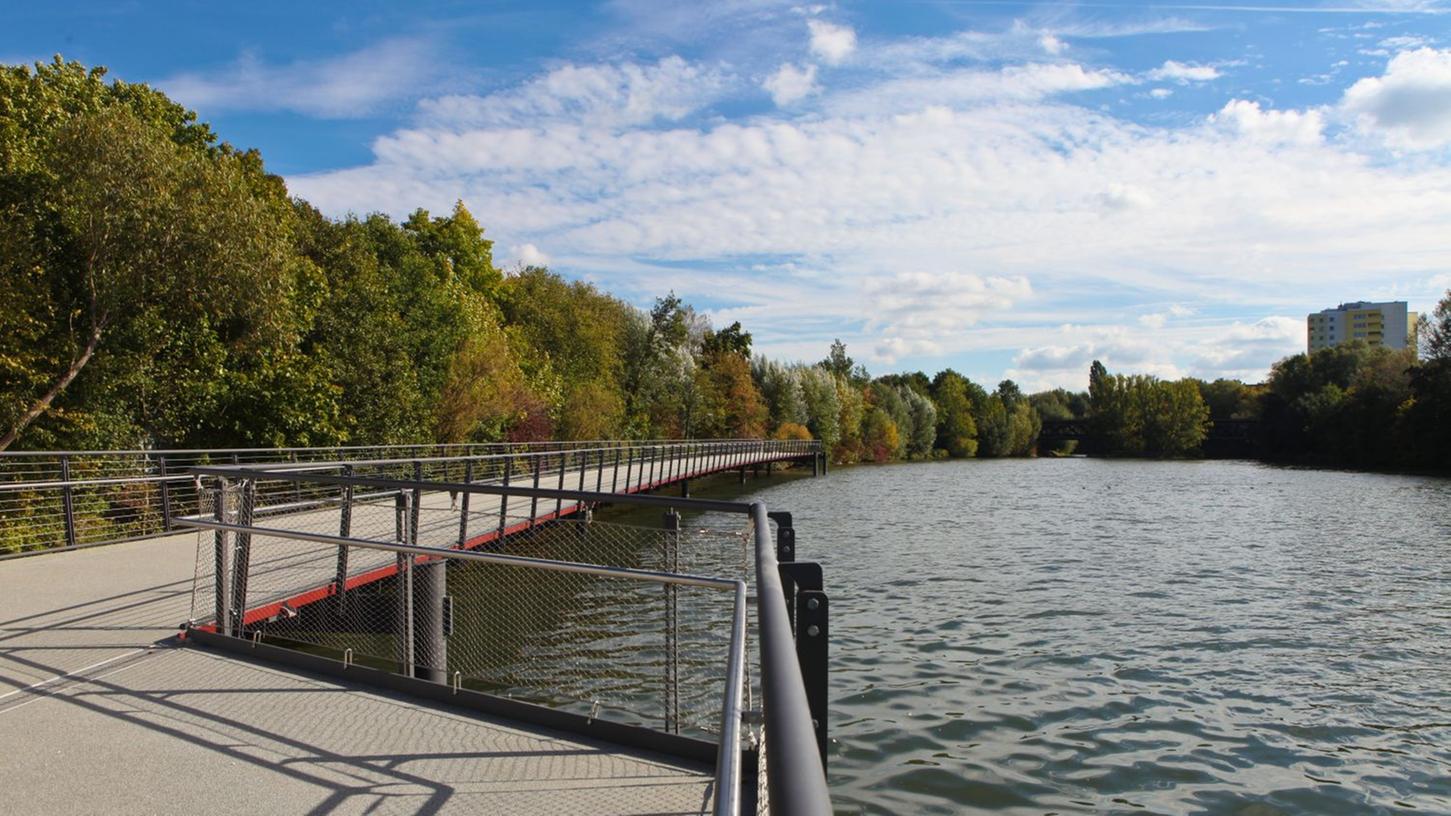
(1378, 324)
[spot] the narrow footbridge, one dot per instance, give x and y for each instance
(511, 629)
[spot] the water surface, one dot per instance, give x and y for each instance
(1091, 636)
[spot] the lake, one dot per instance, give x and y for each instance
(1094, 636)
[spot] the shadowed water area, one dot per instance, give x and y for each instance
(1087, 636)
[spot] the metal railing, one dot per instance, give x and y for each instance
(631, 626)
(59, 500)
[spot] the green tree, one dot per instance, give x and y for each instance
(956, 428)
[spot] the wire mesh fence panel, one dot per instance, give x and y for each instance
(636, 651)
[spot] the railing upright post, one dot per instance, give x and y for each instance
(615, 473)
(534, 500)
(68, 501)
(403, 607)
(345, 530)
(242, 555)
(463, 518)
(165, 495)
(672, 642)
(583, 460)
(563, 466)
(629, 460)
(600, 472)
(224, 585)
(504, 499)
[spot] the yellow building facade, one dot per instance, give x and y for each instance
(1377, 324)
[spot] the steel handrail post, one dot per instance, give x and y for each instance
(165, 494)
(68, 501)
(504, 502)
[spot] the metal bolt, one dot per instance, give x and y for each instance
(813, 604)
(813, 630)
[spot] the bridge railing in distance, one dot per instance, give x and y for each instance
(59, 500)
(636, 634)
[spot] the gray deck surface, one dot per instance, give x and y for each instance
(101, 711)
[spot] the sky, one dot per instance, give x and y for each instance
(1008, 189)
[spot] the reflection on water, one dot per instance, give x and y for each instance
(1084, 636)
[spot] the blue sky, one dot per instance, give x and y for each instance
(1010, 189)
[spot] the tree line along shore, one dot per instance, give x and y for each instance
(163, 290)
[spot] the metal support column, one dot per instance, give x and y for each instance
(463, 516)
(430, 647)
(223, 560)
(242, 555)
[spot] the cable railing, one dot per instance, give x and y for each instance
(639, 634)
(60, 500)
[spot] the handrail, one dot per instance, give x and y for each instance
(561, 445)
(54, 501)
(789, 732)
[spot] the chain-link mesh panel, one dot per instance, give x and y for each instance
(645, 652)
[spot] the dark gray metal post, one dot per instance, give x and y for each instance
(68, 502)
(615, 474)
(463, 518)
(812, 638)
(583, 460)
(671, 521)
(403, 605)
(629, 460)
(224, 586)
(242, 555)
(165, 495)
(534, 501)
(430, 647)
(504, 501)
(563, 466)
(345, 529)
(417, 503)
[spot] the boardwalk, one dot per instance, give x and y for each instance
(102, 709)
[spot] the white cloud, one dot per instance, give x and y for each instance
(1052, 44)
(349, 85)
(969, 86)
(974, 211)
(1247, 119)
(603, 95)
(530, 255)
(1161, 93)
(791, 83)
(1410, 104)
(1183, 73)
(830, 42)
